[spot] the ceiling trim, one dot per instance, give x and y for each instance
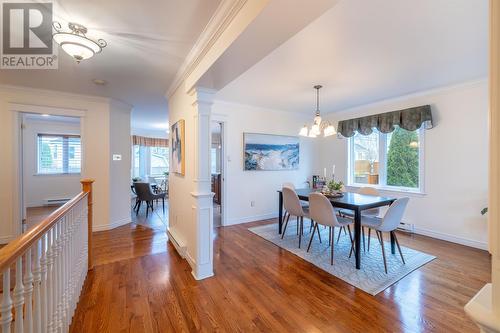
(223, 16)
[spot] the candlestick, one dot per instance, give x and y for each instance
(324, 173)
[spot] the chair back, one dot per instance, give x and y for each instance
(291, 202)
(143, 191)
(321, 210)
(289, 185)
(370, 191)
(394, 215)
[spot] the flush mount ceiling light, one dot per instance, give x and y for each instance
(319, 126)
(100, 82)
(75, 43)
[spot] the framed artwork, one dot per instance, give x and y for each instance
(268, 152)
(178, 146)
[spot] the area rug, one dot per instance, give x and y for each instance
(371, 278)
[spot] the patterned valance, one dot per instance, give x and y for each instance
(409, 119)
(149, 142)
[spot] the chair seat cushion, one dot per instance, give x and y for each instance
(369, 212)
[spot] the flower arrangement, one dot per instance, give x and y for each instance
(334, 186)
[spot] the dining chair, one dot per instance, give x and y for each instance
(145, 193)
(321, 212)
(389, 223)
(293, 207)
(367, 190)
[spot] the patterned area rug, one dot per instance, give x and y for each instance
(371, 278)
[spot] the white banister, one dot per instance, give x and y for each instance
(49, 263)
(6, 308)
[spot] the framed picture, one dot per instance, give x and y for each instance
(177, 146)
(268, 152)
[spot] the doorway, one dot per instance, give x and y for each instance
(217, 171)
(51, 161)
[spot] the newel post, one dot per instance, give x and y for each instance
(87, 187)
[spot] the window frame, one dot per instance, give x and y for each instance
(382, 150)
(65, 159)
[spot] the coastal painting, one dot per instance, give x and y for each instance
(266, 152)
(177, 163)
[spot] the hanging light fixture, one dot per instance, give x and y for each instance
(75, 43)
(319, 126)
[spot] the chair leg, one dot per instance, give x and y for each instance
(319, 233)
(340, 231)
(352, 242)
(163, 205)
(363, 236)
(329, 236)
(147, 208)
(311, 226)
(399, 248)
(312, 236)
(331, 247)
(383, 249)
(301, 231)
(286, 224)
(369, 237)
(138, 207)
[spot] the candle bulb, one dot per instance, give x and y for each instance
(324, 173)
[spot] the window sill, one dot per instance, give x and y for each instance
(409, 192)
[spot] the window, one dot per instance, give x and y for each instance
(58, 154)
(149, 161)
(392, 161)
(158, 161)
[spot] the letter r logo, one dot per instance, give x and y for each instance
(27, 28)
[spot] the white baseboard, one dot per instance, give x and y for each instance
(112, 225)
(178, 243)
(251, 219)
(451, 238)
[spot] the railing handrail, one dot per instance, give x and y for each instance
(17, 247)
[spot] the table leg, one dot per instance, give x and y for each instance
(393, 244)
(280, 211)
(357, 237)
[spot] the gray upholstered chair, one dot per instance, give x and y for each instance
(389, 223)
(293, 207)
(145, 193)
(321, 212)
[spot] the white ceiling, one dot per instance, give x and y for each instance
(364, 51)
(147, 42)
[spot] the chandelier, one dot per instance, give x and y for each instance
(75, 43)
(319, 126)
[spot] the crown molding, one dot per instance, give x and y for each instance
(222, 18)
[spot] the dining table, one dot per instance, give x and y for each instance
(351, 201)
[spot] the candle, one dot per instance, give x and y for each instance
(333, 169)
(324, 173)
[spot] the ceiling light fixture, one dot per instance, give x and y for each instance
(319, 126)
(75, 43)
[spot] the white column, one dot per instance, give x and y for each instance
(484, 308)
(202, 208)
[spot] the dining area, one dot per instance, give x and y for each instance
(349, 233)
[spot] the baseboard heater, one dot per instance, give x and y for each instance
(56, 202)
(407, 227)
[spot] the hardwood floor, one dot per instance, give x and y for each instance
(35, 215)
(140, 284)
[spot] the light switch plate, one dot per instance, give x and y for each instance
(117, 157)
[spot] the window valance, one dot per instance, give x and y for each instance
(148, 142)
(408, 119)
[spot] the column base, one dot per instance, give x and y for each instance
(480, 309)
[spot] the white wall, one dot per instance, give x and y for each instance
(119, 172)
(456, 161)
(39, 188)
(96, 149)
(243, 187)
